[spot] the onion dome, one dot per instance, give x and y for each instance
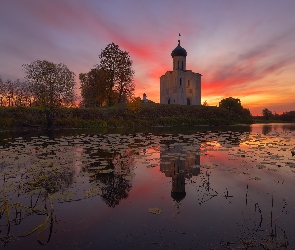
(178, 196)
(179, 51)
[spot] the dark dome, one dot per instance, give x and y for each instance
(178, 196)
(179, 51)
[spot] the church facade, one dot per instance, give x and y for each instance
(180, 86)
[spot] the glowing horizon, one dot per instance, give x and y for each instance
(243, 49)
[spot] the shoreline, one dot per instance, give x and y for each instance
(137, 129)
(147, 115)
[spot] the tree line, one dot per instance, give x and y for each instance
(288, 116)
(15, 93)
(48, 85)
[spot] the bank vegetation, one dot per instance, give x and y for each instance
(121, 115)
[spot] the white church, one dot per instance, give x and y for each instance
(180, 86)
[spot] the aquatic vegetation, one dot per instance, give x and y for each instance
(150, 187)
(155, 210)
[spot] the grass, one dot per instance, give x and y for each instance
(149, 114)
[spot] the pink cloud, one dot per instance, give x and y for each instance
(74, 32)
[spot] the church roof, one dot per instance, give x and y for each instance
(179, 51)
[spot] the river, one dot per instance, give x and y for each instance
(161, 188)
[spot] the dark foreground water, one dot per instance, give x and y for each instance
(166, 188)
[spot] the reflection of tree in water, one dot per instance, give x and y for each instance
(116, 188)
(288, 127)
(266, 129)
(115, 182)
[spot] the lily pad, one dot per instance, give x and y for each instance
(155, 210)
(92, 192)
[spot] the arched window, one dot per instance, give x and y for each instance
(180, 81)
(188, 83)
(188, 101)
(177, 64)
(168, 101)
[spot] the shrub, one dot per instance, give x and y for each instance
(134, 105)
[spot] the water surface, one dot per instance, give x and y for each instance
(167, 188)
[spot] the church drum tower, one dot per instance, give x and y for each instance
(180, 86)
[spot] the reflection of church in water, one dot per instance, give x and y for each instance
(180, 166)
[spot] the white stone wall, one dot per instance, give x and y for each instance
(179, 62)
(176, 91)
(171, 89)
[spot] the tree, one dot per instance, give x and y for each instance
(10, 93)
(2, 92)
(96, 89)
(118, 65)
(267, 114)
(205, 103)
(288, 116)
(134, 105)
(231, 104)
(52, 86)
(15, 93)
(236, 109)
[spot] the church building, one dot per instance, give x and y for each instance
(180, 86)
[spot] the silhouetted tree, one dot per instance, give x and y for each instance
(276, 116)
(288, 116)
(205, 103)
(118, 65)
(267, 114)
(231, 104)
(15, 93)
(235, 107)
(2, 92)
(96, 88)
(52, 86)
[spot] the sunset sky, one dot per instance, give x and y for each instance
(244, 49)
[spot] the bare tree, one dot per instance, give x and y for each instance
(15, 93)
(2, 92)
